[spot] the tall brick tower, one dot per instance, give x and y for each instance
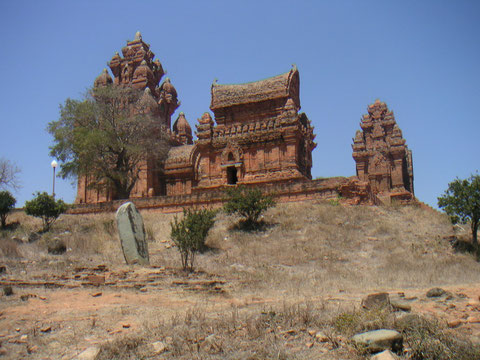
(381, 154)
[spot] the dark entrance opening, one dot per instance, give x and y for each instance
(232, 175)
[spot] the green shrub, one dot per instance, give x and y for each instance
(190, 232)
(45, 207)
(7, 202)
(249, 203)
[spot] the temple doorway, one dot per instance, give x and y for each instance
(232, 175)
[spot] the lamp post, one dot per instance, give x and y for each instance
(54, 166)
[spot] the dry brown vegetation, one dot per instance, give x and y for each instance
(312, 263)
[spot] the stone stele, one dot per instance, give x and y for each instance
(132, 234)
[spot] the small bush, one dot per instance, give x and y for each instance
(249, 203)
(189, 234)
(429, 340)
(56, 247)
(45, 207)
(7, 202)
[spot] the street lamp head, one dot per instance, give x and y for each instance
(54, 164)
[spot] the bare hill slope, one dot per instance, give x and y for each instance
(311, 262)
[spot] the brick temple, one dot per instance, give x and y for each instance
(257, 136)
(382, 157)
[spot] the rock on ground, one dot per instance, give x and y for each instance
(88, 354)
(436, 292)
(376, 301)
(379, 340)
(384, 355)
(399, 304)
(132, 234)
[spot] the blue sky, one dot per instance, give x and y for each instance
(421, 57)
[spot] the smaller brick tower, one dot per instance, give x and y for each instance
(382, 156)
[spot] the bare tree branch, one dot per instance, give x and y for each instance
(9, 175)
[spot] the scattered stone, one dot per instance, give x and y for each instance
(126, 326)
(321, 337)
(97, 294)
(25, 297)
(96, 280)
(132, 234)
(399, 304)
(88, 354)
(32, 349)
(384, 355)
(7, 290)
(46, 329)
(473, 319)
(309, 345)
(210, 345)
(56, 247)
(158, 347)
(24, 337)
(436, 292)
(17, 239)
(289, 332)
(454, 323)
(42, 297)
(379, 340)
(449, 296)
(376, 301)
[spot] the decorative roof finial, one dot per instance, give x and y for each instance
(138, 35)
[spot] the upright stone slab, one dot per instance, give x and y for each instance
(132, 234)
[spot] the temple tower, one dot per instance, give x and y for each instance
(381, 154)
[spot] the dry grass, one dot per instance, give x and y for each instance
(317, 248)
(283, 332)
(306, 249)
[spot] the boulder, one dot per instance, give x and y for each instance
(158, 347)
(376, 301)
(384, 355)
(436, 292)
(379, 340)
(399, 304)
(132, 234)
(90, 353)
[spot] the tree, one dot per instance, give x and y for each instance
(249, 203)
(9, 175)
(190, 232)
(45, 207)
(108, 136)
(7, 203)
(461, 201)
